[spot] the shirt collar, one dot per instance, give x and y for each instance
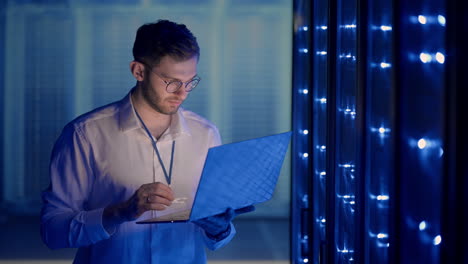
(177, 128)
(129, 121)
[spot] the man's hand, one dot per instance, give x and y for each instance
(217, 227)
(151, 196)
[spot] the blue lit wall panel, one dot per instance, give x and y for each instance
(387, 168)
(309, 189)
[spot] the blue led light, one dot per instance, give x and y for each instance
(382, 235)
(427, 146)
(349, 112)
(422, 19)
(322, 27)
(441, 20)
(385, 65)
(322, 174)
(321, 220)
(304, 91)
(381, 132)
(425, 57)
(305, 132)
(322, 100)
(422, 143)
(437, 240)
(347, 56)
(345, 250)
(350, 26)
(306, 260)
(382, 197)
(303, 50)
(422, 225)
(385, 28)
(321, 52)
(322, 148)
(305, 155)
(440, 58)
(305, 28)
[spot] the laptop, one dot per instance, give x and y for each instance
(234, 176)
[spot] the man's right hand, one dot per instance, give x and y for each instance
(151, 196)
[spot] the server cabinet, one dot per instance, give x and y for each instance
(378, 167)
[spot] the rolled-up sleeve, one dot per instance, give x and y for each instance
(65, 220)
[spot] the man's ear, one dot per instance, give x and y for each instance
(138, 70)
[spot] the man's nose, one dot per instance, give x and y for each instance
(182, 93)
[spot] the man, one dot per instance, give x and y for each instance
(134, 159)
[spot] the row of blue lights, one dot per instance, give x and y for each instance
(425, 145)
(346, 200)
(428, 20)
(381, 239)
(319, 149)
(353, 26)
(379, 201)
(348, 26)
(434, 57)
(382, 131)
(423, 227)
(304, 91)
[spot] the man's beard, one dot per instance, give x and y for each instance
(154, 101)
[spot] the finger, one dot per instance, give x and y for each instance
(157, 189)
(155, 206)
(164, 194)
(158, 200)
(161, 186)
(160, 189)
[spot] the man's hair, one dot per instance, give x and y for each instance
(164, 38)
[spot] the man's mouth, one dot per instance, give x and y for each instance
(175, 102)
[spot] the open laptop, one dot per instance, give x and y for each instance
(234, 176)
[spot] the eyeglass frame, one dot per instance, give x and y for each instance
(180, 83)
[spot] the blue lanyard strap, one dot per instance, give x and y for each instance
(153, 142)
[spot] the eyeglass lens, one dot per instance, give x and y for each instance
(174, 86)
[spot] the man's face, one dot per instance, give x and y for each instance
(154, 88)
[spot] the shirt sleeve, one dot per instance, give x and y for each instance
(65, 220)
(215, 138)
(213, 244)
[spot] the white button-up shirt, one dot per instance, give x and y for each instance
(102, 158)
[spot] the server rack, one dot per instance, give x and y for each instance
(383, 175)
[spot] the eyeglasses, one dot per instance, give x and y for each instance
(174, 86)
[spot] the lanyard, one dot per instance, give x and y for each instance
(153, 142)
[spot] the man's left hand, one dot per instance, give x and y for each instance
(217, 226)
